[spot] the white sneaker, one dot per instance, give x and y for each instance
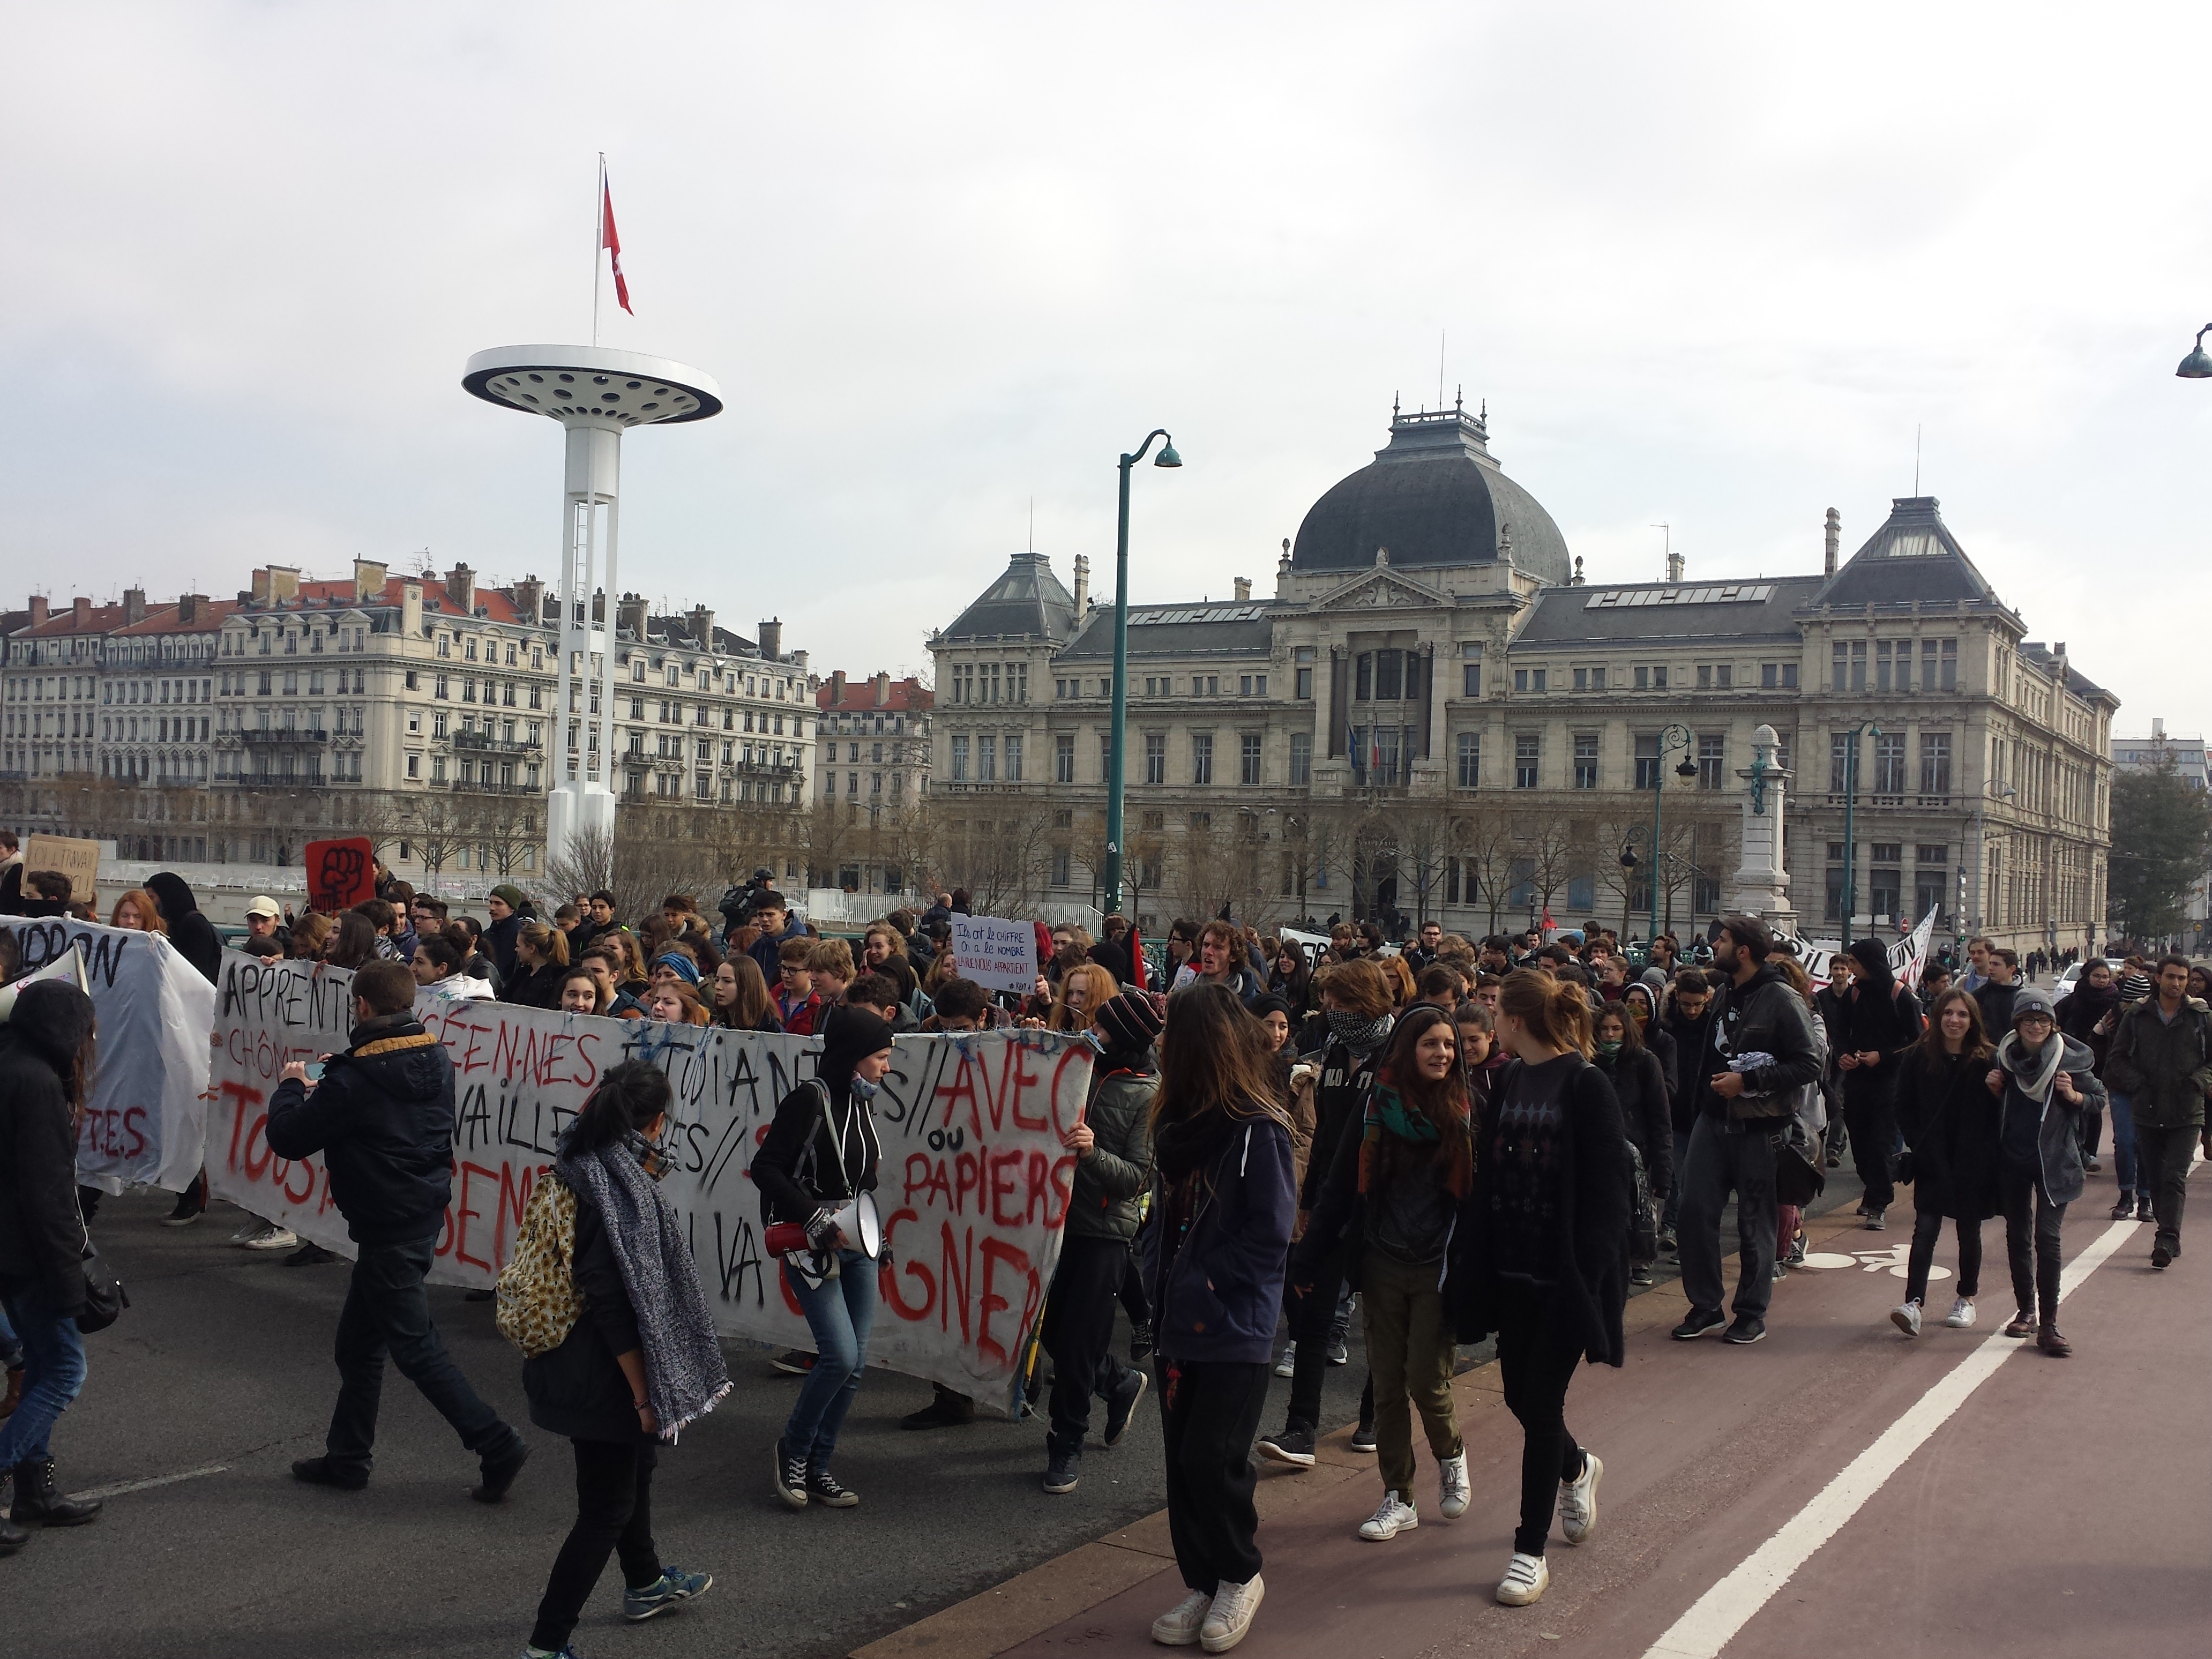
(1452, 1492)
(1230, 1616)
(1526, 1579)
(1579, 1502)
(1905, 1315)
(276, 1238)
(253, 1227)
(1393, 1516)
(1179, 1627)
(1288, 1364)
(1962, 1315)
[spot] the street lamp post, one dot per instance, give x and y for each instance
(1116, 758)
(2197, 365)
(1628, 863)
(1674, 737)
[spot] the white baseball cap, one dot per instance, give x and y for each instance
(263, 905)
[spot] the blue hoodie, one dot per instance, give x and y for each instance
(1222, 1292)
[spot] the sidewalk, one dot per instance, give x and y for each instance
(1434, 1584)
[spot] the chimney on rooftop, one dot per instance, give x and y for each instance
(1082, 585)
(134, 605)
(703, 628)
(529, 596)
(81, 608)
(631, 615)
(1243, 589)
(261, 589)
(771, 638)
(368, 576)
(883, 688)
(283, 583)
(1676, 564)
(188, 609)
(2158, 728)
(1835, 537)
(461, 589)
(836, 687)
(40, 609)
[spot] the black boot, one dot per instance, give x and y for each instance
(38, 1504)
(12, 1537)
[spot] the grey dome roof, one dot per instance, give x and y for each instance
(1433, 497)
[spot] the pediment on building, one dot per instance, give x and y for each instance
(1380, 588)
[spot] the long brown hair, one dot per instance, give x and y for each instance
(1975, 1048)
(1631, 1038)
(1213, 1057)
(1102, 984)
(751, 1005)
(1445, 1104)
(1555, 1011)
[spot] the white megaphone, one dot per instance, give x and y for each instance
(858, 1226)
(69, 967)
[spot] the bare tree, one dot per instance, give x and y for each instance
(1483, 834)
(586, 865)
(1426, 835)
(1217, 865)
(438, 826)
(1545, 849)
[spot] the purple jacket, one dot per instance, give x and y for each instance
(1224, 1289)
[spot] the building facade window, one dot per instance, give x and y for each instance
(1527, 750)
(1889, 763)
(959, 757)
(1712, 752)
(1934, 762)
(1063, 758)
(1155, 757)
(1585, 758)
(1469, 759)
(1848, 666)
(1202, 757)
(1248, 758)
(1301, 758)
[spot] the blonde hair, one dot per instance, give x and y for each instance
(830, 956)
(547, 941)
(1102, 986)
(1555, 1011)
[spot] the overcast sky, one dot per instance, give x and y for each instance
(1712, 265)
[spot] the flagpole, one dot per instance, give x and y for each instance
(598, 240)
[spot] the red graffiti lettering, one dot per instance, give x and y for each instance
(968, 1177)
(962, 1087)
(1038, 1189)
(283, 1177)
(912, 1312)
(1017, 1062)
(466, 1211)
(242, 1098)
(956, 1272)
(1005, 1168)
(997, 1252)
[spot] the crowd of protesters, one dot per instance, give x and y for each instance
(1451, 1140)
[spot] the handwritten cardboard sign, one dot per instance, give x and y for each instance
(973, 1183)
(77, 860)
(997, 955)
(340, 874)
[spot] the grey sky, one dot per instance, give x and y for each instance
(1710, 265)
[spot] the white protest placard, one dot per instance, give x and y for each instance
(973, 1185)
(77, 859)
(147, 1117)
(997, 955)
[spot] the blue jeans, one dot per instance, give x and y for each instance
(11, 1350)
(387, 1311)
(2123, 1142)
(53, 1375)
(839, 1311)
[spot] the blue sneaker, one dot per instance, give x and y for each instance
(672, 1587)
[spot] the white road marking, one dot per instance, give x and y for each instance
(1713, 1620)
(123, 1487)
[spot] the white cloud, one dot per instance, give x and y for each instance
(1711, 265)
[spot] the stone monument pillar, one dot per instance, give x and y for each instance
(1760, 886)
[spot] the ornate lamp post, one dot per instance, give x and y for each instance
(1674, 737)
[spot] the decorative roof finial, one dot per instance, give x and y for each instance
(1459, 399)
(1394, 409)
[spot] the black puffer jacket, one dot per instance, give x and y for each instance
(41, 1233)
(383, 1119)
(1694, 1061)
(577, 1389)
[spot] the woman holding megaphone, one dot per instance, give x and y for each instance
(817, 1176)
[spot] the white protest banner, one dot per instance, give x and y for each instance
(147, 1117)
(69, 969)
(997, 955)
(973, 1185)
(1908, 957)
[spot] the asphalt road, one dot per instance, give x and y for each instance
(220, 1374)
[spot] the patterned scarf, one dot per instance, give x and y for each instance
(1390, 1113)
(685, 1376)
(1358, 1033)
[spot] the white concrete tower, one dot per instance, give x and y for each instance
(597, 394)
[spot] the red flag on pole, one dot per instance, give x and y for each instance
(612, 243)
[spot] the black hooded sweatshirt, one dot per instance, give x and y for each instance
(41, 1232)
(191, 933)
(383, 1119)
(798, 1167)
(1876, 1015)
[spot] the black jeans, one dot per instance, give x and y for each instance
(1209, 1412)
(2031, 1222)
(1133, 1302)
(1724, 1160)
(614, 1515)
(1310, 1317)
(2162, 1160)
(1078, 1334)
(1537, 1359)
(1873, 1122)
(387, 1311)
(1927, 1228)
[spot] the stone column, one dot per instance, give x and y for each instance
(1760, 886)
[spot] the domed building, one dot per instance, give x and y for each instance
(1433, 717)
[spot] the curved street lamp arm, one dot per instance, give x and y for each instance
(1144, 449)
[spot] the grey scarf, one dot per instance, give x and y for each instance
(1362, 1036)
(683, 1371)
(2033, 1074)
